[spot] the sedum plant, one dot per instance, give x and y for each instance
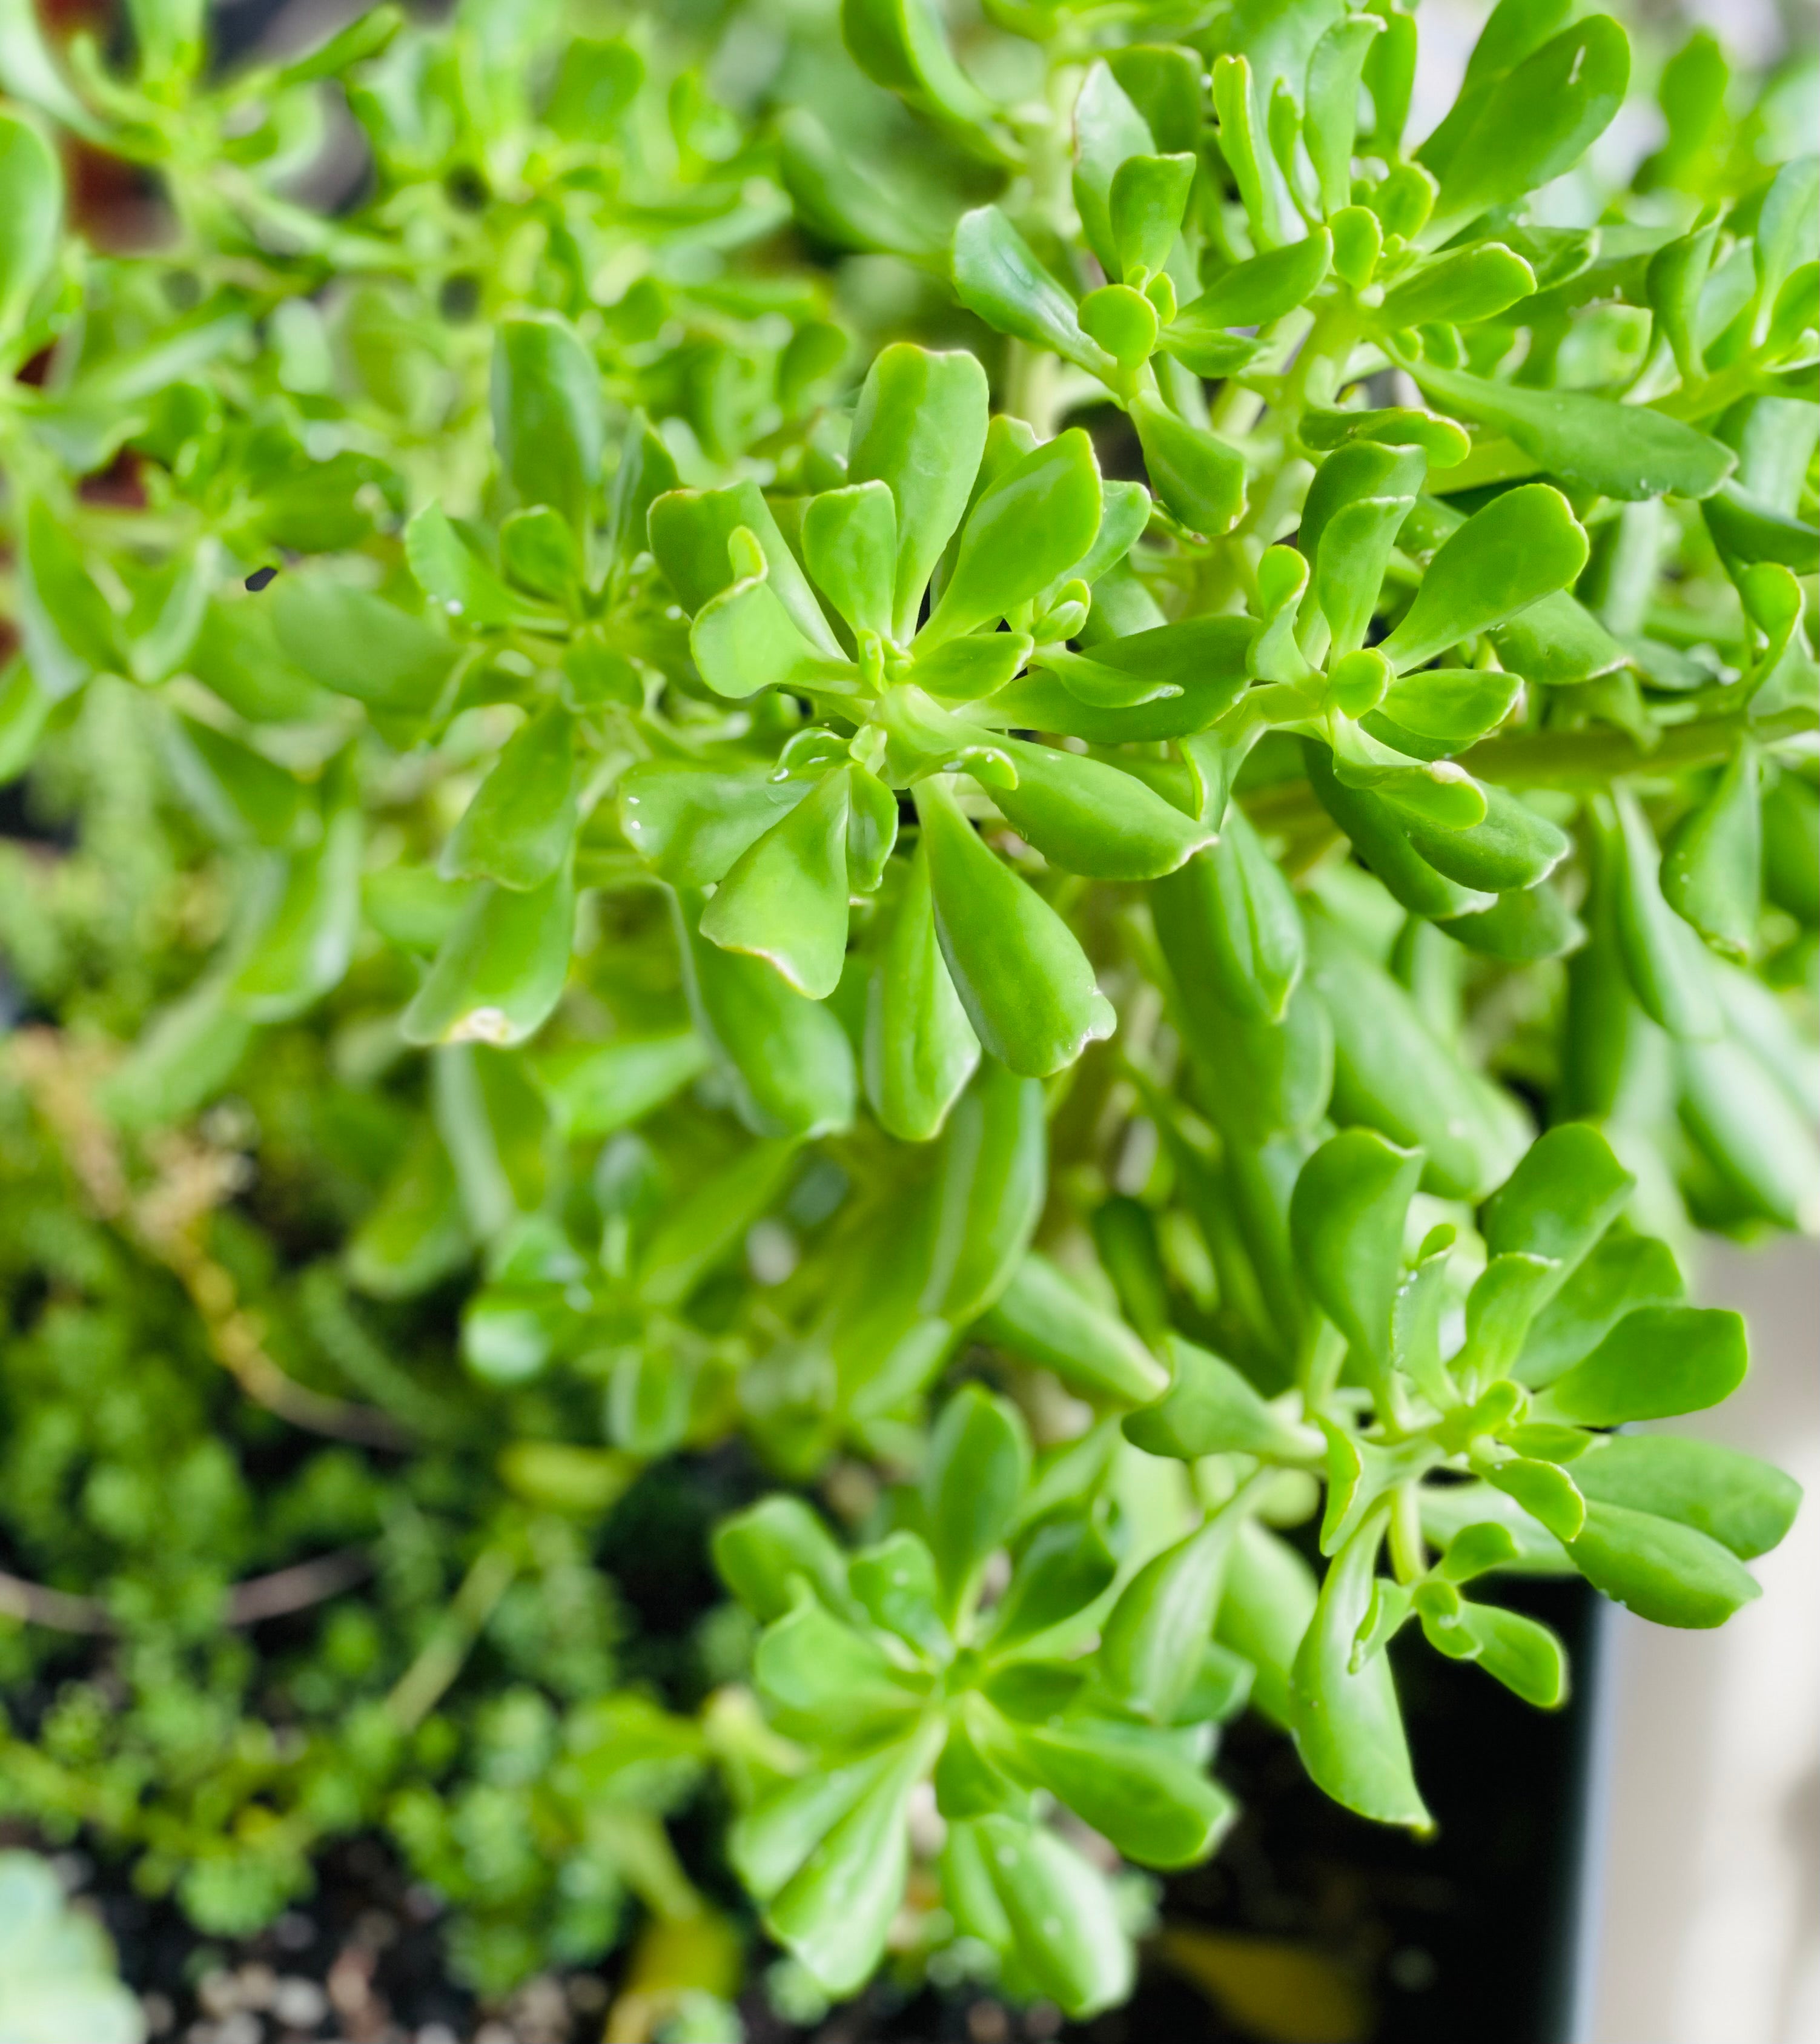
(1042, 784)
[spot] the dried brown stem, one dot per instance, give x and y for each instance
(249, 1603)
(56, 1610)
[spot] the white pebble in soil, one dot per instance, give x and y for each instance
(297, 2003)
(218, 1992)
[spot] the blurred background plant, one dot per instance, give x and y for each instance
(364, 1407)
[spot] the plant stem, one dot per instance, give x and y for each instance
(419, 1688)
(1579, 762)
(1408, 1551)
(259, 1597)
(1593, 759)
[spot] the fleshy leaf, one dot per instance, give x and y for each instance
(1521, 546)
(997, 276)
(1629, 451)
(1027, 528)
(1347, 1723)
(790, 1059)
(785, 899)
(920, 1049)
(1022, 978)
(520, 825)
(1657, 1362)
(502, 969)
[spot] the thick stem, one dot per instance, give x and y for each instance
(1408, 1550)
(1578, 761)
(1593, 759)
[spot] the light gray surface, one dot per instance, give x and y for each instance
(1705, 1925)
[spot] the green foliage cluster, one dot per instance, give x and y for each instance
(1036, 772)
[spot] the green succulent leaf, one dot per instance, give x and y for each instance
(979, 1463)
(548, 420)
(1153, 1640)
(1523, 1654)
(691, 821)
(1392, 1074)
(824, 1679)
(357, 644)
(1089, 817)
(990, 1171)
(1523, 546)
(1212, 1409)
(32, 181)
(1711, 872)
(1664, 962)
(1023, 980)
(1450, 704)
(1657, 1362)
(920, 427)
(997, 276)
(744, 640)
(1622, 1273)
(900, 43)
(502, 968)
(1346, 1223)
(787, 1059)
(1745, 1505)
(920, 1049)
(1461, 287)
(1026, 529)
(306, 940)
(785, 898)
(1347, 1723)
(1668, 1573)
(1108, 132)
(1194, 471)
(1057, 1915)
(1512, 848)
(1040, 1316)
(1536, 122)
(850, 542)
(1153, 1803)
(1241, 906)
(520, 824)
(1145, 203)
(1629, 451)
(1561, 1199)
(763, 1552)
(1330, 118)
(834, 1915)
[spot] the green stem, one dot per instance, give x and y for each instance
(1324, 1351)
(1408, 1551)
(1029, 381)
(1716, 393)
(1593, 759)
(1576, 762)
(420, 1688)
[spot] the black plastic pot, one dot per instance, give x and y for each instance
(1372, 1936)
